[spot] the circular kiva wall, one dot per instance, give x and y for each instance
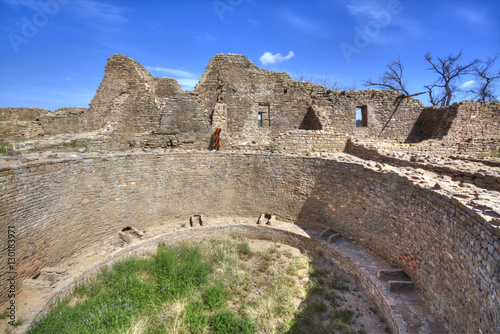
(61, 207)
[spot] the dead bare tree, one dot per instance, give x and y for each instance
(436, 99)
(324, 81)
(485, 89)
(331, 84)
(303, 76)
(450, 70)
(391, 79)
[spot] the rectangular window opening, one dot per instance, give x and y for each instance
(362, 116)
(263, 118)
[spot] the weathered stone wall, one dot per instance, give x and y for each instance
(299, 141)
(466, 127)
(21, 114)
(252, 107)
(126, 99)
(63, 120)
(285, 105)
(184, 122)
(19, 123)
(484, 174)
(61, 207)
(165, 87)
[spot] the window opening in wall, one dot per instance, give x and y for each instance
(362, 116)
(263, 118)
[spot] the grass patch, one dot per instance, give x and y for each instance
(5, 147)
(318, 307)
(492, 154)
(244, 248)
(215, 297)
(196, 320)
(225, 322)
(344, 316)
(217, 286)
(3, 315)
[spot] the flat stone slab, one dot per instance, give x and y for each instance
(393, 274)
(396, 286)
(37, 285)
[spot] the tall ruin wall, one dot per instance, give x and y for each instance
(466, 127)
(61, 207)
(255, 108)
(262, 104)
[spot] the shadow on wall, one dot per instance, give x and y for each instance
(433, 123)
(311, 121)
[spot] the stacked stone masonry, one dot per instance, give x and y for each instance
(411, 189)
(63, 206)
(479, 173)
(254, 108)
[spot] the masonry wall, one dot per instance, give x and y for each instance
(285, 104)
(466, 127)
(126, 100)
(61, 207)
(64, 120)
(19, 123)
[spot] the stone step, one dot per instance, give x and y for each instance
(400, 285)
(393, 274)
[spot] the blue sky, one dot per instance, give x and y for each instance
(53, 52)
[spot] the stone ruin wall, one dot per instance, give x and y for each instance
(133, 108)
(126, 100)
(287, 105)
(63, 120)
(19, 123)
(63, 206)
(468, 127)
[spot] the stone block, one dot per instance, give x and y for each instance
(53, 274)
(34, 285)
(392, 274)
(397, 286)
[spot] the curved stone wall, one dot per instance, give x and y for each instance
(61, 207)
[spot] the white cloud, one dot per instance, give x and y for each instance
(187, 83)
(187, 80)
(300, 23)
(269, 58)
(170, 71)
(467, 84)
(357, 8)
(470, 15)
(98, 12)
